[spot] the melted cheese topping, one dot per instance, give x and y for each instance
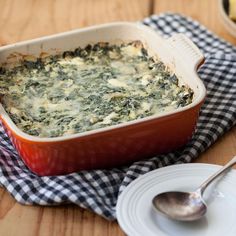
(89, 88)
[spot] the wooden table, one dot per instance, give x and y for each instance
(26, 19)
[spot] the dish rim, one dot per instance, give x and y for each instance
(12, 126)
(229, 24)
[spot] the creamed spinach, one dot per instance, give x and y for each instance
(89, 88)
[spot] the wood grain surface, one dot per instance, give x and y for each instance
(26, 19)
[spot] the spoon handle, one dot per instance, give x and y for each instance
(205, 184)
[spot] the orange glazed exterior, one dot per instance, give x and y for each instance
(113, 148)
(120, 144)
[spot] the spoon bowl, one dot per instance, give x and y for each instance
(187, 206)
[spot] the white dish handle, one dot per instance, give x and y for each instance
(186, 49)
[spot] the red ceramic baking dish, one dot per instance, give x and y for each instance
(120, 144)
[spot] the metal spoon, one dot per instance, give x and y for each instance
(187, 206)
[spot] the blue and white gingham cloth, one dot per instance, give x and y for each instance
(98, 190)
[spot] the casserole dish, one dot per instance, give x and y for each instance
(118, 144)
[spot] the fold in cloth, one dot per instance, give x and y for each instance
(98, 190)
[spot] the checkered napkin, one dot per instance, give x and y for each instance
(98, 190)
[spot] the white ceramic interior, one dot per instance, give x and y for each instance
(178, 52)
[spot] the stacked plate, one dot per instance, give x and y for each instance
(229, 24)
(137, 217)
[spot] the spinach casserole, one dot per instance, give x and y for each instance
(89, 88)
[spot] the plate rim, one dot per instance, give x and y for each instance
(160, 171)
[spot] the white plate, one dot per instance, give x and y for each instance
(137, 217)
